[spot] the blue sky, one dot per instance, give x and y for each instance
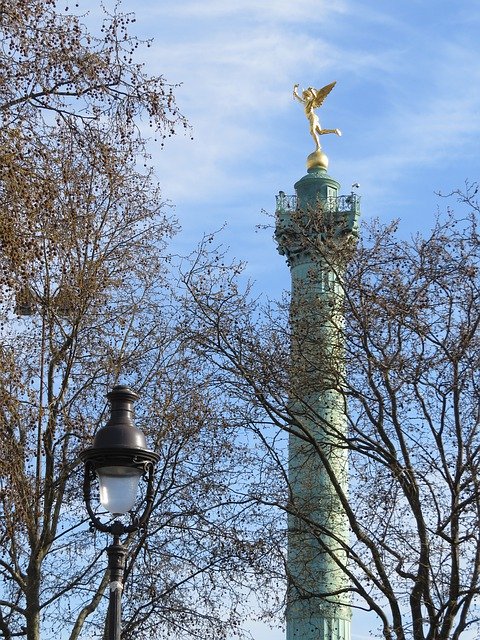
(407, 101)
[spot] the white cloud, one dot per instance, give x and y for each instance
(406, 99)
(431, 124)
(310, 11)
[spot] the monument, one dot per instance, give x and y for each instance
(316, 231)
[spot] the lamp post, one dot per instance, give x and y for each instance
(118, 458)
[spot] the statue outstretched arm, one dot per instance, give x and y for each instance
(295, 93)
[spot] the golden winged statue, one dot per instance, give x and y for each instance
(313, 99)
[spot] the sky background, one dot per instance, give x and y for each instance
(407, 101)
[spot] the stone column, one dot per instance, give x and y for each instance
(316, 231)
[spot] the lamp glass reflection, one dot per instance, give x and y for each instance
(118, 488)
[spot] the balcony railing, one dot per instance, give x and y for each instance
(341, 211)
(342, 204)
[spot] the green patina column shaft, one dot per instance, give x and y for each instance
(316, 231)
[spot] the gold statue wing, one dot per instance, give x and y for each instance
(321, 94)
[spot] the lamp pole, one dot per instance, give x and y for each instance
(119, 458)
(116, 566)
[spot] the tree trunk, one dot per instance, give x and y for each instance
(32, 596)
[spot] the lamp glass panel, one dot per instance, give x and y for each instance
(118, 488)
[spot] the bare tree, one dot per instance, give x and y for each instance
(410, 385)
(98, 308)
(55, 72)
(51, 62)
(88, 299)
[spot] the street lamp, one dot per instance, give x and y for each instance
(118, 458)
